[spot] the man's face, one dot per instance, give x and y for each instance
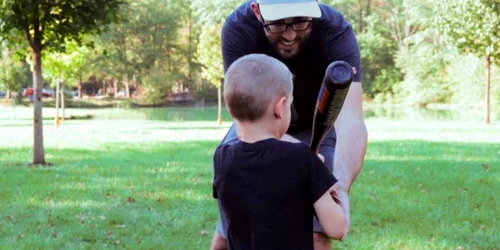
(288, 36)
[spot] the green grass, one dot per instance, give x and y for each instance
(142, 184)
(152, 197)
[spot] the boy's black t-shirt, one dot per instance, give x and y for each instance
(267, 190)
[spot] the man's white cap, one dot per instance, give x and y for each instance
(280, 9)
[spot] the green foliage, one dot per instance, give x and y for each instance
(405, 44)
(13, 74)
(69, 66)
(467, 77)
(210, 56)
(211, 16)
(49, 24)
(377, 50)
(472, 26)
(146, 42)
(423, 64)
(157, 84)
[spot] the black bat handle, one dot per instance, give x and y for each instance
(331, 97)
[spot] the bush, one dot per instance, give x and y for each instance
(157, 85)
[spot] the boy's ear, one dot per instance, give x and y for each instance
(278, 107)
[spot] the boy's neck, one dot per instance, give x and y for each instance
(254, 132)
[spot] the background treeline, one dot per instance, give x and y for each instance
(415, 52)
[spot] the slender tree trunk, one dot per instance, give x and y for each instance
(487, 90)
(58, 99)
(38, 151)
(134, 81)
(62, 102)
(9, 94)
(368, 8)
(104, 90)
(80, 90)
(115, 88)
(360, 25)
(127, 86)
(190, 58)
(219, 98)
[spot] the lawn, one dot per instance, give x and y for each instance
(139, 182)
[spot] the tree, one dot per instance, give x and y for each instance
(210, 17)
(146, 46)
(210, 56)
(473, 27)
(66, 67)
(47, 24)
(12, 75)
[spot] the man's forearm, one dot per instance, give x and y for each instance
(349, 153)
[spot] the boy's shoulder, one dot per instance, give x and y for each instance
(284, 148)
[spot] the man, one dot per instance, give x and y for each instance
(307, 37)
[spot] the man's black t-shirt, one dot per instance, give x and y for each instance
(332, 39)
(267, 190)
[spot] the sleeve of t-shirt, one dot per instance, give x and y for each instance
(319, 178)
(234, 43)
(340, 41)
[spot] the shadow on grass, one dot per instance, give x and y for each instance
(410, 195)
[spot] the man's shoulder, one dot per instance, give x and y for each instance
(332, 21)
(242, 16)
(330, 14)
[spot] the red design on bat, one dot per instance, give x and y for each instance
(323, 100)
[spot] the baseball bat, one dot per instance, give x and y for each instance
(331, 97)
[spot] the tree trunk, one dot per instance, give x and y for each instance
(368, 8)
(9, 94)
(115, 88)
(219, 97)
(134, 82)
(360, 24)
(80, 91)
(38, 152)
(487, 90)
(127, 87)
(104, 90)
(190, 58)
(63, 106)
(58, 99)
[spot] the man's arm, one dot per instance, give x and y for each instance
(351, 145)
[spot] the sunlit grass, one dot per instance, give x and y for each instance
(141, 184)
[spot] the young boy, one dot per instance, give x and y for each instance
(270, 189)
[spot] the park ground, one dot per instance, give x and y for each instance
(141, 179)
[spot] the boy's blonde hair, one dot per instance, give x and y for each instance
(252, 83)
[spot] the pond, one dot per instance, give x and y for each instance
(210, 114)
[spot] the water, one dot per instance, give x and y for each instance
(422, 114)
(210, 114)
